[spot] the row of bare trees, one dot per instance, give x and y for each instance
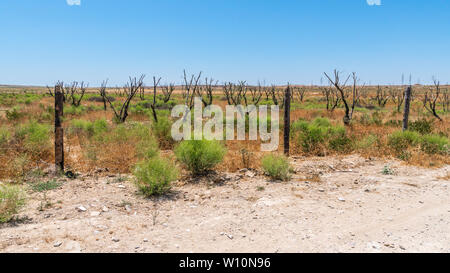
(73, 92)
(338, 93)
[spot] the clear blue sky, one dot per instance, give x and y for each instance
(42, 41)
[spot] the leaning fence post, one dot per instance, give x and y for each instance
(407, 104)
(287, 119)
(59, 131)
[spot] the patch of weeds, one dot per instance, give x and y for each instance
(45, 203)
(421, 126)
(260, 188)
(12, 199)
(46, 186)
(387, 170)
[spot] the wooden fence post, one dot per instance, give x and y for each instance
(287, 119)
(59, 131)
(407, 104)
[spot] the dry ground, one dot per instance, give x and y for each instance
(337, 204)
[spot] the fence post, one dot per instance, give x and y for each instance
(287, 119)
(407, 104)
(59, 131)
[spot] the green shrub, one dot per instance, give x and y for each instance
(12, 198)
(73, 110)
(154, 176)
(320, 134)
(200, 156)
(276, 166)
(35, 136)
(422, 126)
(147, 148)
(100, 126)
(80, 126)
(321, 122)
(162, 130)
(338, 140)
(434, 144)
(13, 114)
(401, 141)
(126, 132)
(375, 118)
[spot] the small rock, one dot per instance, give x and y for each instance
(375, 245)
(341, 199)
(105, 209)
(128, 208)
(145, 240)
(81, 209)
(115, 240)
(95, 213)
(57, 244)
(321, 190)
(121, 187)
(230, 236)
(250, 174)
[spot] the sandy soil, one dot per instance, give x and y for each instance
(341, 204)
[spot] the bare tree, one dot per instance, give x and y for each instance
(300, 91)
(205, 92)
(103, 93)
(341, 88)
(382, 96)
(235, 93)
(332, 98)
(153, 104)
(142, 92)
(431, 97)
(76, 92)
(256, 94)
(130, 89)
(278, 97)
(356, 93)
(190, 88)
(397, 96)
(167, 92)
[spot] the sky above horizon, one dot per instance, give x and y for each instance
(43, 41)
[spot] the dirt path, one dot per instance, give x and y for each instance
(353, 208)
